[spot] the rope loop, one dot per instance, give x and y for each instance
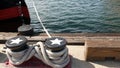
(53, 59)
(17, 58)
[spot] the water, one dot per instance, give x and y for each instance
(84, 16)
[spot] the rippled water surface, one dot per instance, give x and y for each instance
(77, 15)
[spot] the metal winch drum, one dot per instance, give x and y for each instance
(17, 50)
(57, 51)
(55, 44)
(26, 30)
(17, 44)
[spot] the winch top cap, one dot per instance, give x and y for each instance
(25, 28)
(14, 42)
(55, 42)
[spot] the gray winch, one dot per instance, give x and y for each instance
(57, 51)
(52, 52)
(18, 51)
(17, 44)
(26, 30)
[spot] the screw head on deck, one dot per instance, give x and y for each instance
(17, 43)
(55, 43)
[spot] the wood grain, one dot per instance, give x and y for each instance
(102, 48)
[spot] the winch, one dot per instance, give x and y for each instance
(56, 52)
(52, 52)
(17, 44)
(26, 30)
(18, 51)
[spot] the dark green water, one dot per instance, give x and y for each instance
(101, 16)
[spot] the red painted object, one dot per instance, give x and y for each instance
(10, 15)
(32, 63)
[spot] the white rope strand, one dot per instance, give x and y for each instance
(54, 59)
(58, 63)
(40, 20)
(17, 58)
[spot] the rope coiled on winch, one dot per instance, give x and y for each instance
(17, 58)
(53, 59)
(57, 59)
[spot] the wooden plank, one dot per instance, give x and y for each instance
(101, 48)
(72, 38)
(76, 39)
(112, 42)
(65, 34)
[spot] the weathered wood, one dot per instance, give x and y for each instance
(65, 34)
(72, 38)
(101, 48)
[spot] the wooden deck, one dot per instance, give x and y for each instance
(75, 45)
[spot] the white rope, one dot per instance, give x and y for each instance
(54, 59)
(40, 19)
(17, 58)
(59, 63)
